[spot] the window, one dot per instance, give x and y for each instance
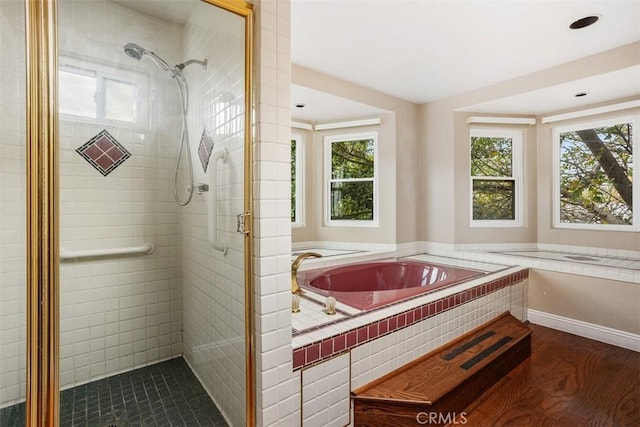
(297, 162)
(496, 185)
(594, 181)
(351, 187)
(96, 93)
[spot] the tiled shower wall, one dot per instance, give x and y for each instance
(124, 312)
(12, 203)
(213, 283)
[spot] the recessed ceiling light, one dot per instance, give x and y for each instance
(581, 94)
(300, 105)
(584, 22)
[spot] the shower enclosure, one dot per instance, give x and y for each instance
(153, 178)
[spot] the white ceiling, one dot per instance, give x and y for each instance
(424, 50)
(320, 107)
(604, 87)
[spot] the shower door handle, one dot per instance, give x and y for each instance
(242, 223)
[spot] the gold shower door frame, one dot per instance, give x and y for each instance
(43, 290)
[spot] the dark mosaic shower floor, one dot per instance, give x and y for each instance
(164, 394)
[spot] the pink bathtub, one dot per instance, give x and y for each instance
(374, 284)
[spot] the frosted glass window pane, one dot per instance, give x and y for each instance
(77, 94)
(120, 103)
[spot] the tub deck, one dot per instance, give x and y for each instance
(318, 336)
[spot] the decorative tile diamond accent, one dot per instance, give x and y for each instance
(205, 148)
(104, 153)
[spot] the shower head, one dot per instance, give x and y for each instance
(134, 51)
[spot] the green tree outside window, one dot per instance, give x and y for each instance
(351, 185)
(294, 179)
(492, 177)
(596, 175)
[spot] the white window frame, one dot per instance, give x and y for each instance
(330, 139)
(591, 124)
(299, 139)
(517, 172)
(102, 73)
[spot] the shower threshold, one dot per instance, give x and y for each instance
(163, 394)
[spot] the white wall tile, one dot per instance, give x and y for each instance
(110, 307)
(213, 283)
(326, 393)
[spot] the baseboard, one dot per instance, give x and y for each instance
(584, 329)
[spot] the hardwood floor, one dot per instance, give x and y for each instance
(568, 381)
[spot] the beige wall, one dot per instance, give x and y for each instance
(398, 162)
(436, 173)
(444, 171)
(430, 197)
(599, 301)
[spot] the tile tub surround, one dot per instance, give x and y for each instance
(587, 259)
(346, 333)
(325, 252)
(323, 386)
(613, 264)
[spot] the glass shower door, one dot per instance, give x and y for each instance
(153, 272)
(12, 214)
(152, 166)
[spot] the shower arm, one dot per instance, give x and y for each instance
(192, 61)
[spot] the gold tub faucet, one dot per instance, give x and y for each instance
(295, 288)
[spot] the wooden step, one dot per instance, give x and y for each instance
(446, 380)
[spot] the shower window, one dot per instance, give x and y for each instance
(351, 185)
(594, 181)
(496, 196)
(96, 93)
(120, 100)
(81, 101)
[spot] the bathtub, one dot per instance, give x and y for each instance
(370, 285)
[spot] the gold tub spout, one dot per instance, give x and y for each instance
(295, 288)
